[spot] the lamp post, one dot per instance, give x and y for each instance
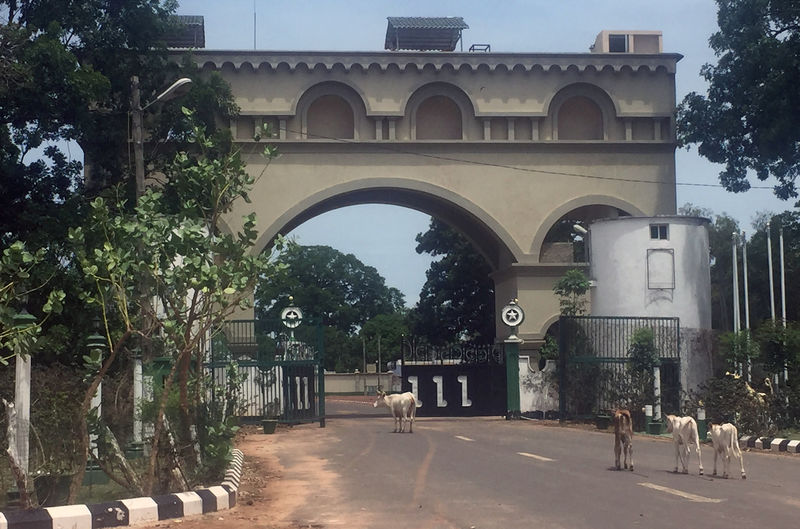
(176, 89)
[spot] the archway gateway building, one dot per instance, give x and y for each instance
(511, 149)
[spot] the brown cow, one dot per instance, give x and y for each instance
(623, 437)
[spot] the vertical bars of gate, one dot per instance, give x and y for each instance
(595, 372)
(280, 378)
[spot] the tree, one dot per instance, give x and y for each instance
(457, 299)
(335, 288)
(65, 78)
(389, 329)
(720, 238)
(746, 120)
(198, 273)
(571, 291)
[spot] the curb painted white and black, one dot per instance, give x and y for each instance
(776, 444)
(132, 511)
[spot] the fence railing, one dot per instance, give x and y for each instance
(596, 373)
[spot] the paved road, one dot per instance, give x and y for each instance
(488, 472)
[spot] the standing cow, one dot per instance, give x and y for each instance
(725, 439)
(623, 437)
(684, 434)
(403, 408)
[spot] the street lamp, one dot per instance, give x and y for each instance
(176, 89)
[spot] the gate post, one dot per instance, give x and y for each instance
(512, 315)
(512, 377)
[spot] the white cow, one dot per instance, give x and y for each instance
(725, 439)
(684, 434)
(403, 408)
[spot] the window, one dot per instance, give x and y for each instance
(617, 43)
(659, 231)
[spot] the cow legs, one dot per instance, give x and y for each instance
(630, 453)
(714, 473)
(677, 455)
(741, 463)
(617, 452)
(699, 456)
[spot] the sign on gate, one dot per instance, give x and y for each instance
(461, 380)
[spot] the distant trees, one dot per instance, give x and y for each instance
(337, 290)
(747, 119)
(457, 299)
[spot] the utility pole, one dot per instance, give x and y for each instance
(771, 284)
(746, 302)
(380, 387)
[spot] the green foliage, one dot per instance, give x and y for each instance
(728, 399)
(746, 120)
(642, 352)
(571, 291)
(457, 299)
(549, 350)
(780, 346)
(738, 348)
(16, 266)
(336, 289)
(643, 357)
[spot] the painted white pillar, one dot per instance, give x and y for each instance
(137, 399)
(657, 392)
(97, 401)
(22, 403)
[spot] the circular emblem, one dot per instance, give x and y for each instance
(292, 317)
(512, 314)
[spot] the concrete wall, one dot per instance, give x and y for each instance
(359, 382)
(638, 275)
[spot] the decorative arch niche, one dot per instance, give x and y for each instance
(439, 111)
(582, 111)
(330, 116)
(330, 110)
(580, 118)
(439, 118)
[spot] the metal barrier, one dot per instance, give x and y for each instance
(276, 374)
(596, 373)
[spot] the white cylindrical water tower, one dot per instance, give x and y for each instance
(657, 267)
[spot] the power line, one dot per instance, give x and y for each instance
(396, 150)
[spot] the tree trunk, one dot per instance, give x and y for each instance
(83, 429)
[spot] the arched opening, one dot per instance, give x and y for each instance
(438, 118)
(566, 240)
(330, 116)
(580, 118)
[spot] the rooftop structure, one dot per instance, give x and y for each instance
(424, 33)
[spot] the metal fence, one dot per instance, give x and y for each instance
(268, 371)
(596, 371)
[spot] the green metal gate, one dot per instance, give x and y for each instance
(280, 373)
(596, 372)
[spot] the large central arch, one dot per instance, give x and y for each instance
(509, 149)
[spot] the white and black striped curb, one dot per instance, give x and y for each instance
(776, 444)
(132, 511)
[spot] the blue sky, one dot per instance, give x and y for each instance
(383, 236)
